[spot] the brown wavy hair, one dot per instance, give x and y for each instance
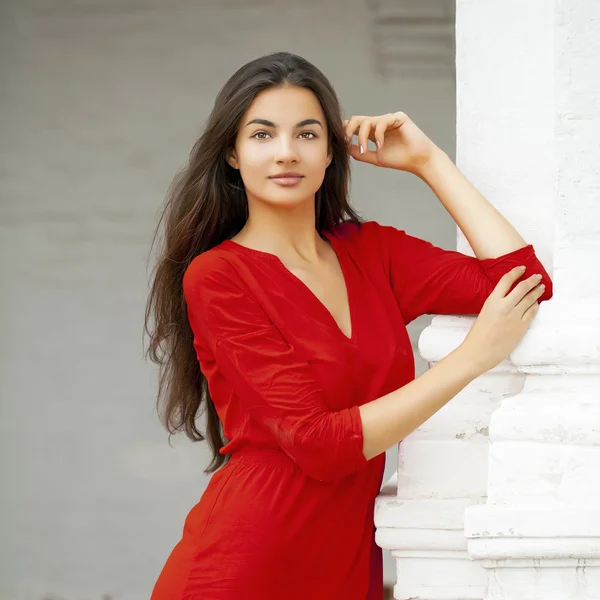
(206, 204)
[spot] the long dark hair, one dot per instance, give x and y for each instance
(207, 204)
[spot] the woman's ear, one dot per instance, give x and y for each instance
(329, 159)
(231, 159)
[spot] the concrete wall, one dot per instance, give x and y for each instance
(99, 105)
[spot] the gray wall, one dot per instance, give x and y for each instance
(99, 105)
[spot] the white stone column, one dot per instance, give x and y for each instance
(528, 103)
(538, 535)
(442, 469)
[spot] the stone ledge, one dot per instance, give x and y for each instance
(422, 542)
(427, 514)
(570, 549)
(498, 522)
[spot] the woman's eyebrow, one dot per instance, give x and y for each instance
(268, 123)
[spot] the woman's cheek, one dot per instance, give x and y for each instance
(257, 152)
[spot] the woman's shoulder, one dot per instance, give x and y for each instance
(361, 235)
(215, 265)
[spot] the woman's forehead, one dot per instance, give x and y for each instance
(285, 107)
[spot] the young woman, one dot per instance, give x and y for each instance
(281, 315)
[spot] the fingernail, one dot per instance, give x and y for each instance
(542, 286)
(378, 144)
(521, 268)
(538, 276)
(361, 149)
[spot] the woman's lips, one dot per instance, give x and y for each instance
(287, 180)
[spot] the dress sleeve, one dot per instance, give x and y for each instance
(273, 381)
(429, 280)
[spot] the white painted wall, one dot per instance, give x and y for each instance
(99, 105)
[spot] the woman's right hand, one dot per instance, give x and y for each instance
(504, 319)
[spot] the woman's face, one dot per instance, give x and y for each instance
(283, 131)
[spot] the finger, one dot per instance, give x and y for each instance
(508, 280)
(380, 130)
(389, 121)
(522, 288)
(531, 298)
(364, 131)
(368, 156)
(399, 119)
(352, 125)
(530, 313)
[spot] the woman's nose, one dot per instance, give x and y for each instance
(286, 149)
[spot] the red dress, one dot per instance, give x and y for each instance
(291, 514)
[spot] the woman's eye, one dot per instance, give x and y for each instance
(258, 135)
(263, 135)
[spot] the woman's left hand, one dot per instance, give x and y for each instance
(400, 143)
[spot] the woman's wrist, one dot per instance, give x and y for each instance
(434, 166)
(471, 360)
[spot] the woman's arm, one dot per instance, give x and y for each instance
(504, 319)
(426, 279)
(486, 230)
(389, 419)
(403, 146)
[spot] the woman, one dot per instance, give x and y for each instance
(282, 316)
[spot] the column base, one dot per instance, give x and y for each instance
(536, 554)
(426, 538)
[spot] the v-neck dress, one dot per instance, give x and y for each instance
(290, 515)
